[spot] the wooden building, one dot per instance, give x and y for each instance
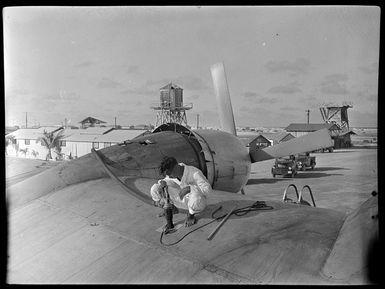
(299, 129)
(257, 141)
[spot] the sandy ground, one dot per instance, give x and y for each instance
(341, 180)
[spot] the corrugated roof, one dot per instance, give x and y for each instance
(96, 130)
(308, 127)
(81, 137)
(114, 136)
(32, 133)
(119, 135)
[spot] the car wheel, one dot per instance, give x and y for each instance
(273, 176)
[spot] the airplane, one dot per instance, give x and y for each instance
(91, 220)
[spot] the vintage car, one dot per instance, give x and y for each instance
(305, 161)
(285, 166)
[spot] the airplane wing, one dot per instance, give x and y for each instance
(94, 232)
(100, 231)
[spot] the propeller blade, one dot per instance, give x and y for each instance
(310, 142)
(222, 94)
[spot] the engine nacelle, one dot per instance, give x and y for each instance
(227, 159)
(221, 156)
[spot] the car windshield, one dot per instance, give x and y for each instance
(284, 160)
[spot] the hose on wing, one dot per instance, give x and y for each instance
(258, 205)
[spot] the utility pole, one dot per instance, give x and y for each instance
(115, 122)
(26, 120)
(308, 112)
(198, 121)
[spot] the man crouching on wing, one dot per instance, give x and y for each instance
(193, 187)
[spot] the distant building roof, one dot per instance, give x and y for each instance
(9, 129)
(170, 85)
(309, 127)
(276, 137)
(248, 137)
(91, 120)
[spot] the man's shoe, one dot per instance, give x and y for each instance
(168, 230)
(190, 220)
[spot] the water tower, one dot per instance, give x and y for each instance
(337, 114)
(171, 109)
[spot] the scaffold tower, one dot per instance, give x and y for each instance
(171, 109)
(337, 114)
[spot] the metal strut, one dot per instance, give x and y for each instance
(300, 200)
(285, 198)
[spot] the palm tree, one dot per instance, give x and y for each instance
(50, 141)
(35, 153)
(11, 140)
(24, 151)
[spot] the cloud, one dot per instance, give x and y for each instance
(20, 91)
(369, 69)
(336, 77)
(309, 99)
(194, 96)
(141, 91)
(358, 118)
(185, 82)
(373, 97)
(299, 66)
(249, 94)
(266, 100)
(247, 109)
(108, 83)
(334, 84)
(288, 108)
(206, 118)
(285, 89)
(192, 83)
(132, 69)
(84, 64)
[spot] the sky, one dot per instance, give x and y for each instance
(110, 62)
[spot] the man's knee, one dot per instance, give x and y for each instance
(197, 203)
